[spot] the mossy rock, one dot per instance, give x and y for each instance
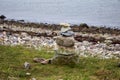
(65, 59)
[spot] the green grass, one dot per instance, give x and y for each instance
(13, 58)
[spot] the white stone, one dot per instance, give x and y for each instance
(28, 74)
(33, 79)
(27, 65)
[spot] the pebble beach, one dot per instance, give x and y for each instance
(89, 40)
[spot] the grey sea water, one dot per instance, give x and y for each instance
(92, 12)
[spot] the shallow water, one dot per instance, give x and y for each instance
(92, 12)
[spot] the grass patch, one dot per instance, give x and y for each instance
(13, 58)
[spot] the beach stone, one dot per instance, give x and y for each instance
(45, 62)
(41, 60)
(33, 79)
(64, 29)
(75, 29)
(27, 65)
(2, 17)
(23, 34)
(65, 59)
(38, 60)
(66, 42)
(67, 33)
(65, 24)
(108, 42)
(115, 41)
(84, 25)
(28, 74)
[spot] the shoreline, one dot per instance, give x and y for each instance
(83, 27)
(89, 41)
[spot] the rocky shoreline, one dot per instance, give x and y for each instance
(89, 40)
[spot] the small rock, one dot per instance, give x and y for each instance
(84, 25)
(75, 28)
(21, 21)
(27, 65)
(65, 24)
(38, 60)
(33, 79)
(28, 74)
(67, 33)
(108, 41)
(45, 62)
(2, 17)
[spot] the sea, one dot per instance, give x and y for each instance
(92, 12)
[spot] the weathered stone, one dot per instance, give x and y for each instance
(108, 42)
(45, 62)
(75, 29)
(27, 65)
(33, 79)
(84, 25)
(2, 17)
(65, 24)
(66, 42)
(41, 60)
(28, 74)
(81, 38)
(67, 33)
(65, 59)
(38, 60)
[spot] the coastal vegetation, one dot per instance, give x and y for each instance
(28, 51)
(12, 60)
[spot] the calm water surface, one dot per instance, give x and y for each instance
(92, 12)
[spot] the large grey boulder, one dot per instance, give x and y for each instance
(65, 42)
